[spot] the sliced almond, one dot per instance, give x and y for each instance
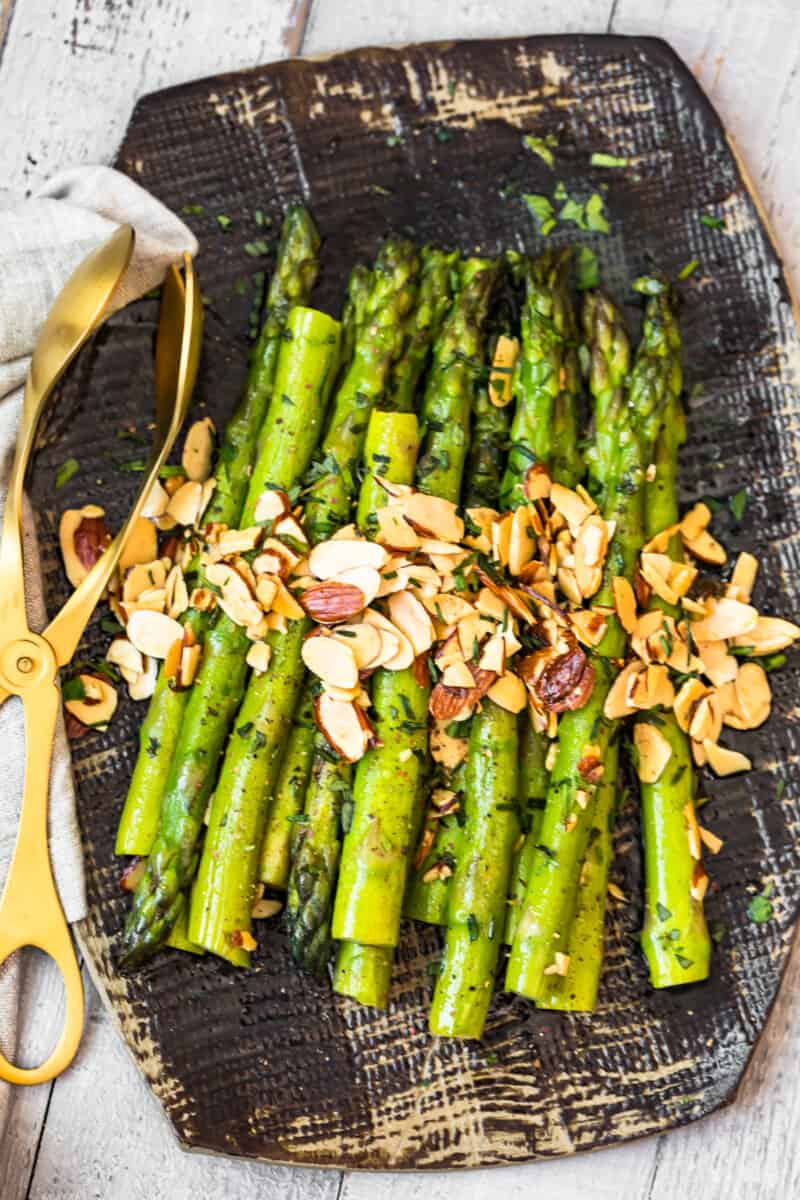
(768, 635)
(141, 545)
(331, 660)
(695, 521)
(706, 722)
(237, 541)
(198, 450)
(398, 652)
(744, 577)
(420, 578)
(718, 665)
(457, 675)
(654, 751)
(142, 578)
(272, 549)
(187, 503)
(450, 609)
(568, 583)
(590, 626)
(258, 657)
(271, 506)
(706, 548)
(572, 507)
(285, 605)
(203, 599)
(290, 527)
(699, 884)
(491, 605)
(394, 531)
(144, 684)
(347, 695)
(521, 544)
(686, 701)
(395, 490)
(331, 558)
(661, 541)
(681, 577)
(176, 593)
(366, 579)
(99, 704)
(190, 663)
(364, 640)
(726, 619)
(753, 698)
(710, 840)
(409, 616)
(266, 907)
(123, 654)
(156, 503)
(482, 519)
(343, 724)
(537, 483)
(235, 597)
(723, 761)
(655, 570)
(433, 517)
(333, 601)
(493, 655)
(451, 650)
(446, 750)
(506, 353)
(509, 692)
(153, 633)
(501, 539)
(624, 603)
(83, 537)
(266, 590)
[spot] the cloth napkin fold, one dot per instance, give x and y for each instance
(41, 243)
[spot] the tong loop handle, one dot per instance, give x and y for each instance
(30, 910)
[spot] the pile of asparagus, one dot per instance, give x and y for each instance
(463, 379)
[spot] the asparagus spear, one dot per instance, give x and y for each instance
(364, 973)
(317, 844)
(533, 781)
(675, 937)
(295, 272)
(477, 896)
(422, 326)
(625, 435)
(305, 368)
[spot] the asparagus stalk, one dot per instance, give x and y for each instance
(317, 844)
(478, 889)
(532, 793)
(305, 368)
(422, 327)
(364, 973)
(295, 272)
(625, 435)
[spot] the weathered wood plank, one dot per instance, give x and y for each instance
(99, 56)
(106, 1137)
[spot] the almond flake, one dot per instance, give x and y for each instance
(695, 521)
(707, 549)
(394, 531)
(144, 684)
(364, 640)
(655, 570)
(718, 665)
(661, 541)
(331, 660)
(493, 655)
(457, 675)
(271, 506)
(753, 698)
(686, 701)
(141, 545)
(99, 704)
(153, 633)
(258, 657)
(198, 450)
(266, 590)
(343, 724)
(432, 516)
(176, 593)
(654, 751)
(284, 603)
(725, 619)
(624, 603)
(537, 483)
(699, 884)
(616, 892)
(501, 539)
(489, 604)
(509, 692)
(710, 840)
(744, 577)
(186, 504)
(409, 616)
(156, 503)
(143, 577)
(725, 762)
(123, 654)
(768, 635)
(235, 597)
(570, 505)
(560, 965)
(366, 579)
(506, 353)
(449, 752)
(521, 545)
(483, 519)
(397, 653)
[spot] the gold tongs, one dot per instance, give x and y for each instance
(30, 910)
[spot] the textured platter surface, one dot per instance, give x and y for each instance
(427, 139)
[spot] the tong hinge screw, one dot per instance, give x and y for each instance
(25, 664)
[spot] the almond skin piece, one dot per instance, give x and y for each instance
(332, 602)
(344, 725)
(566, 682)
(445, 702)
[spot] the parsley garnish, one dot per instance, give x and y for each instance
(608, 160)
(690, 267)
(712, 222)
(542, 210)
(737, 504)
(541, 146)
(224, 222)
(587, 270)
(256, 249)
(760, 909)
(65, 472)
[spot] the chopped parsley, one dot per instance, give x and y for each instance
(689, 269)
(587, 270)
(224, 222)
(541, 208)
(737, 504)
(760, 909)
(257, 248)
(65, 472)
(473, 928)
(662, 912)
(712, 222)
(541, 146)
(608, 160)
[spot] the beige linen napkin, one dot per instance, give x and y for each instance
(41, 242)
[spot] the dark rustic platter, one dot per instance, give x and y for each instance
(427, 139)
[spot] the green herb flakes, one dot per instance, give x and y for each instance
(541, 208)
(608, 160)
(541, 146)
(689, 269)
(587, 270)
(760, 909)
(68, 468)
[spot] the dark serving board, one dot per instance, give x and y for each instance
(266, 1063)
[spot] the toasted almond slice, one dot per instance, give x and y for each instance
(681, 577)
(329, 559)
(344, 725)
(276, 622)
(271, 506)
(207, 490)
(172, 660)
(655, 570)
(99, 704)
(186, 504)
(569, 586)
(489, 604)
(153, 633)
(710, 840)
(198, 450)
(290, 527)
(537, 483)
(617, 703)
(257, 632)
(395, 490)
(752, 696)
(661, 541)
(446, 750)
(726, 619)
(689, 696)
(235, 597)
(366, 579)
(420, 578)
(624, 603)
(141, 545)
(493, 655)
(236, 541)
(346, 695)
(272, 549)
(156, 503)
(695, 521)
(450, 651)
(364, 640)
(521, 545)
(432, 516)
(123, 654)
(258, 657)
(266, 590)
(482, 519)
(570, 505)
(394, 531)
(501, 539)
(744, 577)
(285, 605)
(457, 675)
(506, 353)
(203, 600)
(723, 761)
(718, 665)
(409, 616)
(654, 751)
(591, 542)
(699, 884)
(706, 722)
(707, 549)
(190, 663)
(509, 692)
(589, 625)
(450, 609)
(399, 651)
(768, 635)
(142, 686)
(692, 829)
(699, 754)
(331, 660)
(660, 691)
(177, 593)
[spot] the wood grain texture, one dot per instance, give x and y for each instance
(281, 1050)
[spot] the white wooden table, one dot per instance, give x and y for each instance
(70, 72)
